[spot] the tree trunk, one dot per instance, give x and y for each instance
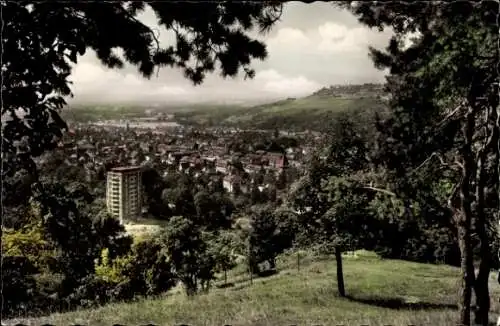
(464, 220)
(272, 263)
(340, 272)
(298, 261)
(225, 276)
(466, 269)
(481, 287)
(481, 282)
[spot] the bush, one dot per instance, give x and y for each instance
(145, 270)
(29, 242)
(112, 270)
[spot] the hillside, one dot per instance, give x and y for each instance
(350, 91)
(380, 292)
(313, 112)
(310, 112)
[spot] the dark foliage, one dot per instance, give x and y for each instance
(18, 292)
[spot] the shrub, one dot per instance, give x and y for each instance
(112, 270)
(29, 242)
(145, 270)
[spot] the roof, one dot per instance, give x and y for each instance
(126, 169)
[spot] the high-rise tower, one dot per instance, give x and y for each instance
(123, 193)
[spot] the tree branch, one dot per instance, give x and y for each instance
(135, 20)
(387, 192)
(449, 115)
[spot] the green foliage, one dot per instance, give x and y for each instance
(348, 224)
(269, 233)
(60, 254)
(31, 243)
(402, 218)
(150, 271)
(144, 271)
(189, 255)
(213, 210)
(224, 247)
(78, 238)
(112, 270)
(111, 235)
(153, 185)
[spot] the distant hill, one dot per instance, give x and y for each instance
(311, 112)
(350, 91)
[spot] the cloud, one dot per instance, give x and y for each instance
(92, 81)
(273, 82)
(329, 37)
(338, 38)
(291, 37)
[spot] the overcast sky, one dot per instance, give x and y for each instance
(314, 45)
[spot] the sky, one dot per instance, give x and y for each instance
(312, 46)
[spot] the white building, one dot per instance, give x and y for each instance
(123, 193)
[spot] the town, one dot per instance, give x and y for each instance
(243, 160)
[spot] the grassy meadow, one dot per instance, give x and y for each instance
(380, 292)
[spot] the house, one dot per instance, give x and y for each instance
(232, 183)
(252, 168)
(208, 164)
(277, 161)
(221, 166)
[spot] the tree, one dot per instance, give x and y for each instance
(144, 270)
(333, 201)
(223, 247)
(189, 255)
(444, 96)
(213, 210)
(281, 180)
(78, 238)
(153, 185)
(334, 215)
(149, 271)
(267, 236)
(348, 224)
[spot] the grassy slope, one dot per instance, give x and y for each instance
(381, 292)
(309, 112)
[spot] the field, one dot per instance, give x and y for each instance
(101, 112)
(380, 292)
